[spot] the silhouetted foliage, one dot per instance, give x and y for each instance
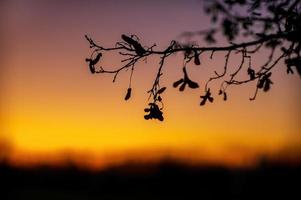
(206, 97)
(271, 25)
(92, 62)
(154, 112)
(185, 81)
(148, 181)
(128, 94)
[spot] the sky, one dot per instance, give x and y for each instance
(54, 111)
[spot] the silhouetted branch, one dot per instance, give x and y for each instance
(272, 25)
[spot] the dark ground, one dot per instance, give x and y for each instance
(163, 181)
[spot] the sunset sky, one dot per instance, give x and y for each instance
(54, 110)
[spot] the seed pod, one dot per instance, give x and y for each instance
(192, 84)
(182, 87)
(289, 70)
(97, 58)
(128, 39)
(197, 59)
(260, 84)
(177, 83)
(203, 101)
(267, 85)
(161, 90)
(137, 46)
(128, 94)
(205, 97)
(298, 68)
(92, 69)
(225, 96)
(251, 73)
(160, 117)
(147, 117)
(139, 49)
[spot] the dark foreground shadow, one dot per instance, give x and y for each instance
(166, 180)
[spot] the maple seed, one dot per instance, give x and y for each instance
(225, 96)
(137, 46)
(128, 39)
(92, 68)
(251, 73)
(154, 112)
(161, 90)
(196, 59)
(206, 97)
(267, 85)
(265, 82)
(177, 83)
(182, 87)
(128, 94)
(93, 62)
(184, 81)
(192, 84)
(260, 84)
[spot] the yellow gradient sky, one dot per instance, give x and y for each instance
(53, 109)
